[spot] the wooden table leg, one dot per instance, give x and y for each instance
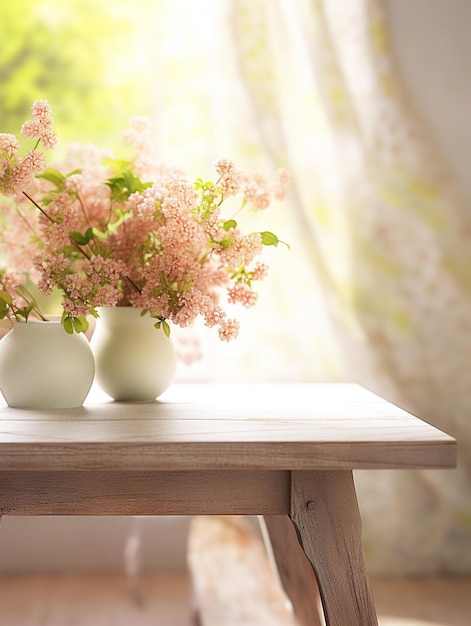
(325, 512)
(296, 573)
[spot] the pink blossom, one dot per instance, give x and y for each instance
(256, 192)
(76, 286)
(241, 250)
(138, 136)
(19, 235)
(242, 294)
(9, 144)
(100, 269)
(280, 184)
(12, 283)
(230, 177)
(40, 126)
(107, 232)
(35, 161)
(260, 271)
(229, 330)
(22, 174)
(50, 266)
(86, 157)
(17, 174)
(75, 307)
(107, 295)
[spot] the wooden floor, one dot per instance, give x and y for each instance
(109, 600)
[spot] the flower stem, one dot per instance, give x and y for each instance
(46, 215)
(39, 207)
(31, 298)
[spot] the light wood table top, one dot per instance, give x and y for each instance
(283, 451)
(218, 426)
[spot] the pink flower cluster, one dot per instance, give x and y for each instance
(136, 233)
(41, 125)
(17, 173)
(15, 300)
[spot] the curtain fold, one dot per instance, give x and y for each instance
(377, 286)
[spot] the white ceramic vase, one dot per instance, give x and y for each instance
(135, 362)
(43, 367)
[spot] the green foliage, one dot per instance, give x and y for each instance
(229, 224)
(74, 324)
(210, 198)
(25, 311)
(80, 324)
(7, 306)
(79, 56)
(68, 324)
(5, 303)
(270, 239)
(124, 184)
(59, 180)
(165, 327)
(53, 176)
(82, 240)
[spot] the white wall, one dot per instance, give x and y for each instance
(432, 44)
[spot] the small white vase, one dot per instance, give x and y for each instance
(43, 367)
(135, 362)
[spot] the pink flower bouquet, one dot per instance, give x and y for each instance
(111, 232)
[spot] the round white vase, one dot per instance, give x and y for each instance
(135, 362)
(43, 367)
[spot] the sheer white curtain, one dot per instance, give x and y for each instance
(376, 286)
(204, 112)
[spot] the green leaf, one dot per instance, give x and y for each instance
(164, 325)
(77, 237)
(4, 308)
(21, 313)
(124, 184)
(270, 239)
(68, 324)
(99, 234)
(203, 184)
(5, 297)
(131, 182)
(80, 324)
(31, 306)
(82, 240)
(53, 176)
(229, 224)
(117, 165)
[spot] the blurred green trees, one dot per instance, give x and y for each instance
(91, 60)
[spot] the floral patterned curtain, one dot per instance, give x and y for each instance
(377, 287)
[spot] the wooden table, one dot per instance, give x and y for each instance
(282, 451)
